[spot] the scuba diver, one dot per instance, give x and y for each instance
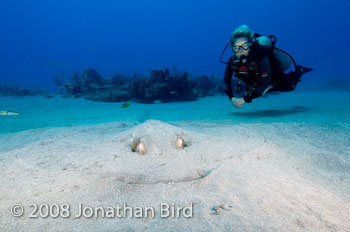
(259, 65)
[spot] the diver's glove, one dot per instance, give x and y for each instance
(237, 102)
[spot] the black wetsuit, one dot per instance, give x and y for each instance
(260, 75)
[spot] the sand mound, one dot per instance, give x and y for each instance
(235, 178)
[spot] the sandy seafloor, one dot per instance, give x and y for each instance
(281, 163)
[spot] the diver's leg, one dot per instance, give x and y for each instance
(288, 82)
(284, 83)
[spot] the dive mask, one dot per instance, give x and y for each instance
(237, 47)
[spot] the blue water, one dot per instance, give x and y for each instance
(42, 38)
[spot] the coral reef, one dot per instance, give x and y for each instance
(21, 92)
(161, 86)
(93, 87)
(209, 86)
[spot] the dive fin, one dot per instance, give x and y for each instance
(302, 70)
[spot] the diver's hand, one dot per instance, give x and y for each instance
(237, 102)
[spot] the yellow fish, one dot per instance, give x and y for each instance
(125, 105)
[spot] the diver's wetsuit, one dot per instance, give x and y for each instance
(259, 76)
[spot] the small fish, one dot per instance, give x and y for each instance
(125, 105)
(5, 112)
(173, 92)
(94, 47)
(157, 101)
